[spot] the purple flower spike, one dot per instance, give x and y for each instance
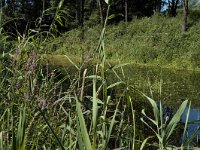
(33, 68)
(18, 85)
(18, 51)
(47, 69)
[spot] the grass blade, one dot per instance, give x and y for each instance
(189, 140)
(186, 123)
(144, 142)
(94, 112)
(174, 121)
(1, 141)
(111, 126)
(82, 128)
(56, 137)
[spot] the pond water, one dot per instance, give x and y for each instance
(193, 116)
(170, 86)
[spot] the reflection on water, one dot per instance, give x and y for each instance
(194, 115)
(170, 86)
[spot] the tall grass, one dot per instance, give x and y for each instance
(44, 108)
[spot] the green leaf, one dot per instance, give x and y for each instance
(120, 65)
(112, 16)
(107, 1)
(155, 107)
(174, 121)
(82, 128)
(153, 121)
(186, 123)
(1, 141)
(144, 142)
(115, 84)
(51, 129)
(189, 140)
(94, 111)
(72, 62)
(111, 126)
(94, 76)
(60, 4)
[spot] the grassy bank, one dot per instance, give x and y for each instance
(154, 41)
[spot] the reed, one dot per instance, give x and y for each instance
(44, 108)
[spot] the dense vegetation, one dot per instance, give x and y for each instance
(157, 40)
(44, 106)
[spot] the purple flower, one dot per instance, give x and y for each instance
(54, 91)
(36, 90)
(18, 85)
(31, 62)
(42, 103)
(18, 51)
(33, 67)
(47, 69)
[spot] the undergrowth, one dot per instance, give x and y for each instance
(41, 108)
(156, 40)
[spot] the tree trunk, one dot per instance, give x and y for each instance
(173, 5)
(43, 6)
(82, 2)
(158, 4)
(82, 13)
(37, 8)
(101, 11)
(23, 6)
(185, 15)
(77, 12)
(126, 12)
(3, 3)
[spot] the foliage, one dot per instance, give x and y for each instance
(157, 40)
(23, 14)
(77, 111)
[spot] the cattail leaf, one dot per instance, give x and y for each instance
(115, 84)
(174, 121)
(190, 139)
(144, 142)
(1, 141)
(83, 134)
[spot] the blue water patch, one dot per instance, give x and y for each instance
(193, 116)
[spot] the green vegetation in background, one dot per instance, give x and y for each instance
(44, 109)
(157, 40)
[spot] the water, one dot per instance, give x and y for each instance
(193, 116)
(170, 86)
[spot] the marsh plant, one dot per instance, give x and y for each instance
(44, 107)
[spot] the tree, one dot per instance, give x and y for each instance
(185, 15)
(172, 7)
(193, 4)
(100, 3)
(158, 5)
(126, 11)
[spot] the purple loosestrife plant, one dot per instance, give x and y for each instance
(31, 65)
(47, 69)
(18, 51)
(18, 84)
(30, 74)
(42, 103)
